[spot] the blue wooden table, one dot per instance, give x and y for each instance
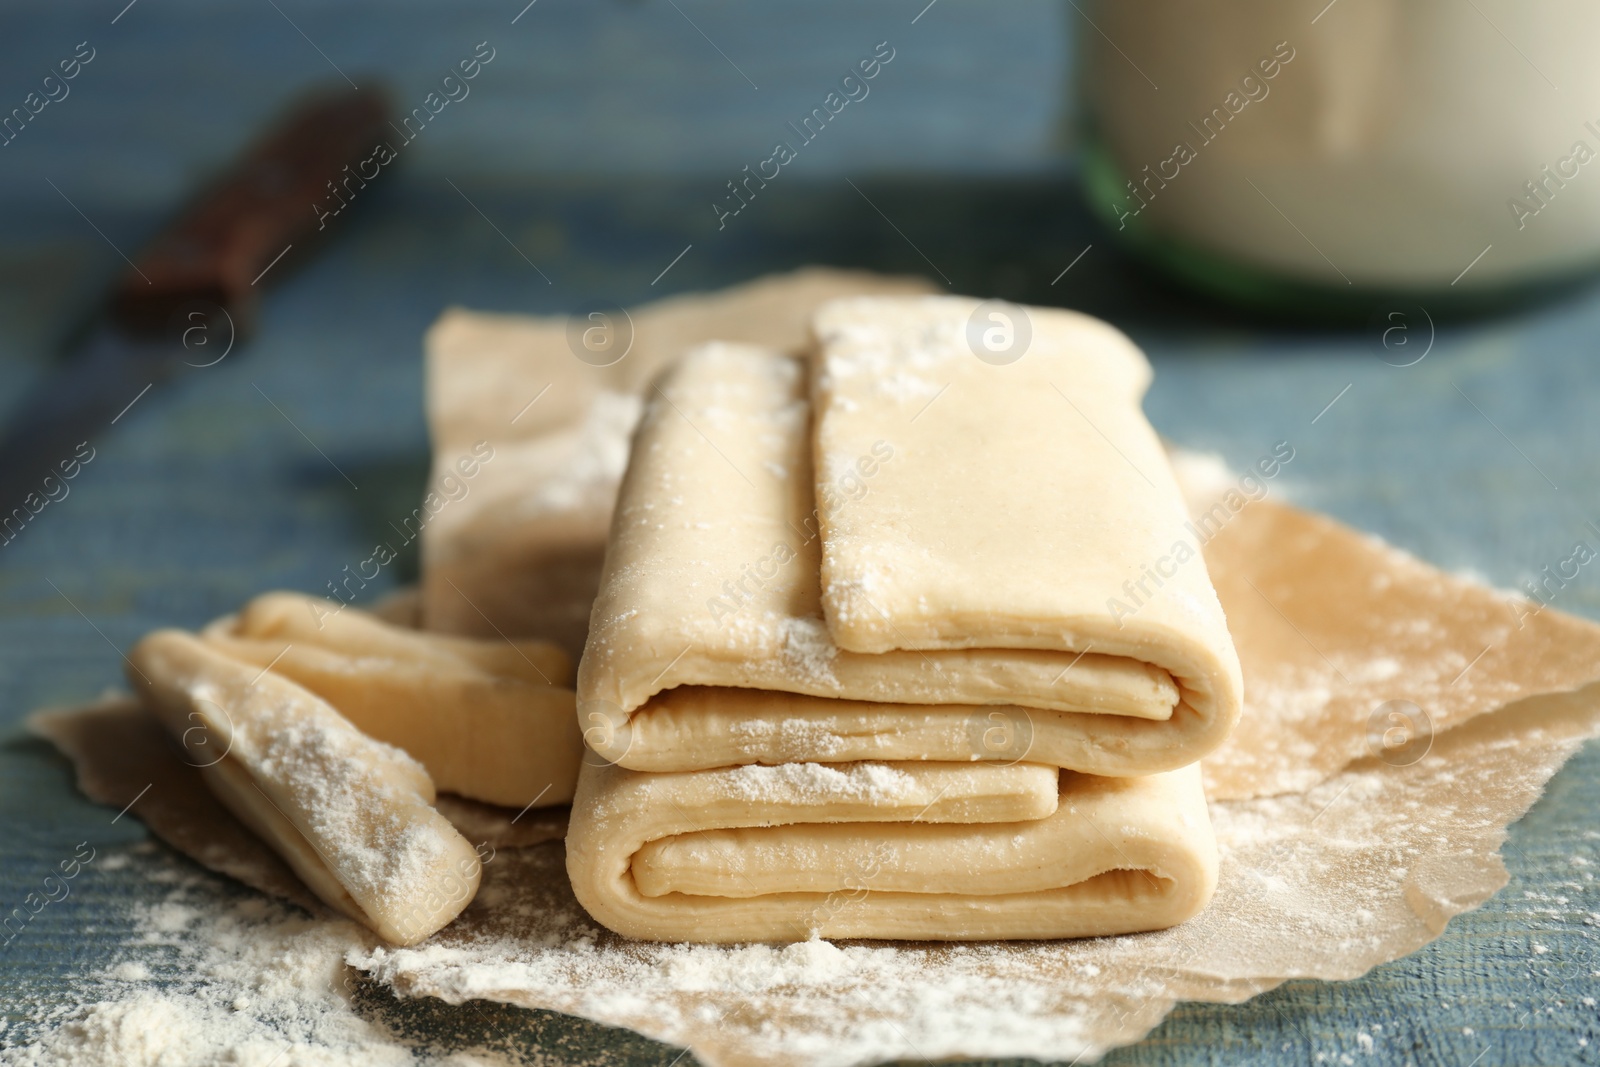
(595, 143)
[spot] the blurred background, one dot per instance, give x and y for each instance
(583, 165)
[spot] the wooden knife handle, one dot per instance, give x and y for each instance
(262, 206)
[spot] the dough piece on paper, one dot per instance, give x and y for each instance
(352, 816)
(126, 760)
(520, 552)
(712, 582)
(872, 850)
(1027, 508)
(477, 714)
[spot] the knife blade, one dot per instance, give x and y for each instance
(191, 294)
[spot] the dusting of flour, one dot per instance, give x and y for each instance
(217, 976)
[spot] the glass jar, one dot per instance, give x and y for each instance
(1287, 153)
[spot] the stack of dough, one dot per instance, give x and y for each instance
(900, 642)
(326, 731)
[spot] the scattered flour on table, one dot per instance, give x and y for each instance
(213, 976)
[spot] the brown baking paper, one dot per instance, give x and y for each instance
(1397, 720)
(518, 547)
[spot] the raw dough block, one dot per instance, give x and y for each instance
(352, 816)
(904, 851)
(490, 719)
(864, 638)
(989, 537)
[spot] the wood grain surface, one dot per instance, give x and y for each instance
(585, 160)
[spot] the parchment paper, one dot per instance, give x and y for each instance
(521, 551)
(1397, 720)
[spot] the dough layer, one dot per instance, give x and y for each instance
(678, 857)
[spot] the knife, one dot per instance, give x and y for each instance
(192, 292)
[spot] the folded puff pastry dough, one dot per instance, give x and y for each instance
(490, 720)
(965, 543)
(352, 816)
(861, 612)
